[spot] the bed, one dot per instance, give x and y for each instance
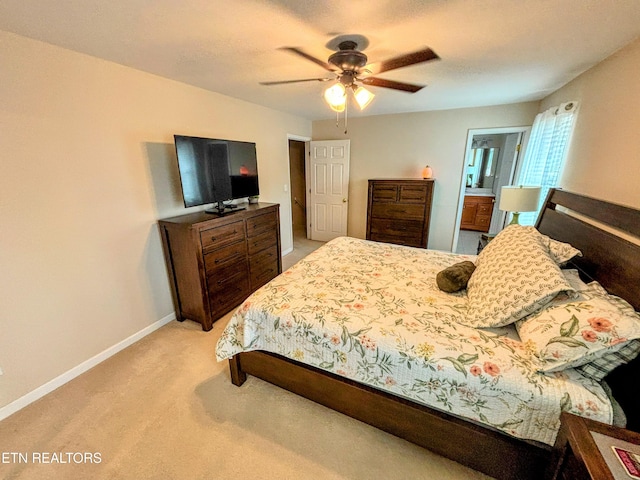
(450, 395)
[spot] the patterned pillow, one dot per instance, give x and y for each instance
(616, 356)
(514, 277)
(573, 277)
(561, 252)
(595, 331)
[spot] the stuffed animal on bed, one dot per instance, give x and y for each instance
(455, 278)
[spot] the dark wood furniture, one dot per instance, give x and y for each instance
(483, 241)
(215, 262)
(399, 211)
(476, 212)
(577, 454)
(607, 258)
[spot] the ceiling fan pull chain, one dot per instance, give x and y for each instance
(346, 114)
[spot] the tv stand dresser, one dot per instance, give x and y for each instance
(216, 262)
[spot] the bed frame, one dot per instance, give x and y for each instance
(607, 258)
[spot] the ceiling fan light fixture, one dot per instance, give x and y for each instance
(363, 96)
(338, 108)
(336, 96)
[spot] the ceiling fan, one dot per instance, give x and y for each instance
(349, 67)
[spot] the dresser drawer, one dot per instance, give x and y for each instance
(217, 237)
(398, 240)
(397, 228)
(260, 242)
(228, 291)
(269, 255)
(220, 257)
(413, 193)
(263, 269)
(398, 210)
(385, 193)
(261, 223)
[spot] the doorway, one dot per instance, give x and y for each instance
(491, 161)
(297, 176)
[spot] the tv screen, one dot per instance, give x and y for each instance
(215, 170)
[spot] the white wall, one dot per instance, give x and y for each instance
(87, 169)
(399, 146)
(604, 158)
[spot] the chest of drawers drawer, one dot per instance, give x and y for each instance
(261, 223)
(398, 210)
(217, 237)
(225, 255)
(228, 287)
(399, 228)
(413, 194)
(385, 193)
(260, 242)
(263, 266)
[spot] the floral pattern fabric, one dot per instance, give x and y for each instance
(372, 312)
(572, 332)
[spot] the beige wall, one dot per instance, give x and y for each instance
(87, 168)
(398, 146)
(604, 158)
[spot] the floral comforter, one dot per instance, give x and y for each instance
(372, 312)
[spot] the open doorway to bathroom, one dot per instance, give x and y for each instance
(491, 162)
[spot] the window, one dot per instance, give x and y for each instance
(546, 152)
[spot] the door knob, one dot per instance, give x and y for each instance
(344, 200)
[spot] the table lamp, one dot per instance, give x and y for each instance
(519, 199)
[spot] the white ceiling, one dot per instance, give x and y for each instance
(492, 51)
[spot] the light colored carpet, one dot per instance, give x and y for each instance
(165, 409)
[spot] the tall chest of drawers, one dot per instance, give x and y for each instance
(399, 211)
(214, 263)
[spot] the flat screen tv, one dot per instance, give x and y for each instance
(215, 171)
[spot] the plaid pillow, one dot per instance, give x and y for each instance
(603, 366)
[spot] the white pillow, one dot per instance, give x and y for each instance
(515, 276)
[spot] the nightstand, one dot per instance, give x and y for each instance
(483, 240)
(583, 450)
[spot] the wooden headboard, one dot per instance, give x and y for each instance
(611, 260)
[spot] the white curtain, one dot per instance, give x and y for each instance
(546, 152)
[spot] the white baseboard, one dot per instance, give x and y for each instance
(287, 251)
(69, 375)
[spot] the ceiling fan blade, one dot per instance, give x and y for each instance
(405, 60)
(381, 82)
(281, 82)
(315, 60)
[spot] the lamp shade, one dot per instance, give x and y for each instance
(519, 199)
(363, 97)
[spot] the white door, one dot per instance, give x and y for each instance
(329, 189)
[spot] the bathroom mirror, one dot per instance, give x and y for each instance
(482, 167)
